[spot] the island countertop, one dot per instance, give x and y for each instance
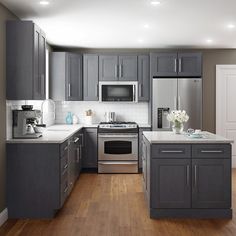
(170, 137)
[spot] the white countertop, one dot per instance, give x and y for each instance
(52, 134)
(170, 137)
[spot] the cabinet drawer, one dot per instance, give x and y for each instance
(171, 151)
(64, 191)
(64, 163)
(64, 149)
(211, 151)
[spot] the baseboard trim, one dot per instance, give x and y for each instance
(3, 216)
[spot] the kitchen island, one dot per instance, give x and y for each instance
(187, 177)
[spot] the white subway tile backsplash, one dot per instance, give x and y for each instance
(137, 112)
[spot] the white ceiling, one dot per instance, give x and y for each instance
(121, 23)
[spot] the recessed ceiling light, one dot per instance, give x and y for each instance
(140, 40)
(231, 26)
(155, 2)
(146, 26)
(44, 2)
(209, 40)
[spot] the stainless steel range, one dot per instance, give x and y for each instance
(118, 147)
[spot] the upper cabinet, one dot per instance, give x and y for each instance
(90, 77)
(25, 61)
(143, 78)
(113, 68)
(176, 64)
(66, 76)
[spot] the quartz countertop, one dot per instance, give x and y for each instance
(52, 134)
(169, 137)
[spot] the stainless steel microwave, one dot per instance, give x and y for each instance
(118, 91)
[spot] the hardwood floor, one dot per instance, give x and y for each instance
(114, 205)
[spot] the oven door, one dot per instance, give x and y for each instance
(118, 92)
(118, 147)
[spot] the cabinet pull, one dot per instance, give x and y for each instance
(66, 148)
(179, 103)
(187, 175)
(180, 64)
(42, 85)
(140, 90)
(69, 90)
(96, 90)
(76, 140)
(175, 65)
(211, 151)
(195, 175)
(171, 151)
(66, 189)
(65, 166)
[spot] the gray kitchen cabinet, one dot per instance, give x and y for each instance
(176, 64)
(25, 61)
(128, 68)
(118, 67)
(143, 78)
(171, 183)
(90, 152)
(90, 77)
(141, 130)
(211, 183)
(188, 180)
(108, 68)
(189, 64)
(164, 64)
(66, 76)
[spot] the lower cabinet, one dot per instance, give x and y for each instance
(171, 186)
(141, 130)
(41, 176)
(195, 184)
(90, 153)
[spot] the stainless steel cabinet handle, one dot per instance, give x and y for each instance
(175, 103)
(66, 148)
(65, 166)
(187, 175)
(211, 151)
(180, 64)
(195, 175)
(116, 75)
(171, 151)
(76, 140)
(175, 65)
(69, 91)
(140, 90)
(42, 84)
(66, 189)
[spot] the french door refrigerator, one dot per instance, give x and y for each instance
(176, 94)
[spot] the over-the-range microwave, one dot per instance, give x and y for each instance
(118, 91)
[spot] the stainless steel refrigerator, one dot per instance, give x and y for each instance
(176, 94)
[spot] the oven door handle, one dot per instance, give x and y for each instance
(117, 136)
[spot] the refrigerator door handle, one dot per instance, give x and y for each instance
(179, 104)
(175, 103)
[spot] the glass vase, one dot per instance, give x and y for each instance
(177, 127)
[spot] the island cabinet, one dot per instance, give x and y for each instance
(40, 176)
(187, 180)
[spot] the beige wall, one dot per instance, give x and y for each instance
(4, 15)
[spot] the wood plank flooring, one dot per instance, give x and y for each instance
(107, 205)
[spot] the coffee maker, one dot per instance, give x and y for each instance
(24, 122)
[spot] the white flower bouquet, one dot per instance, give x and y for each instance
(177, 117)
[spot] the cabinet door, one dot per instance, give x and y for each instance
(190, 64)
(170, 183)
(74, 77)
(144, 164)
(141, 130)
(211, 183)
(90, 77)
(108, 67)
(90, 149)
(128, 68)
(143, 78)
(164, 64)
